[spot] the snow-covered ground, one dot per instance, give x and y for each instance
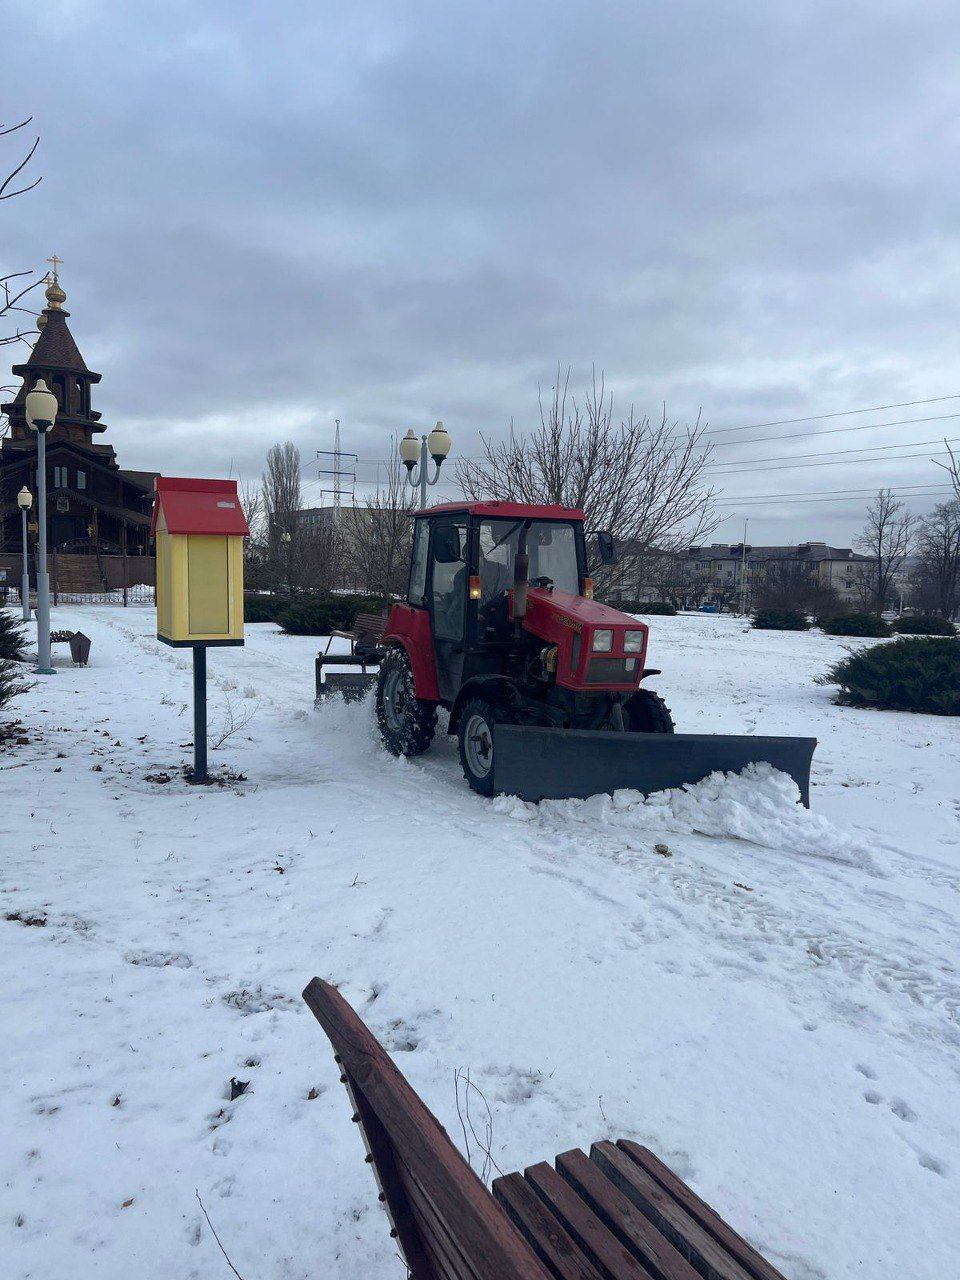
(773, 1005)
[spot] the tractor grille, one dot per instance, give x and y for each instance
(612, 671)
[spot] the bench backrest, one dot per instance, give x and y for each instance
(370, 624)
(447, 1223)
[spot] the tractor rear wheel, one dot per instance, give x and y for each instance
(646, 712)
(475, 739)
(406, 722)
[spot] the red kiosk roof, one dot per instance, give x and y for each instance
(199, 506)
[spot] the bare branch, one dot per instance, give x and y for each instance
(9, 195)
(643, 480)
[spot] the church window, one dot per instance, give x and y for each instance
(81, 479)
(60, 478)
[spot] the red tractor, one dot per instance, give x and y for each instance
(542, 682)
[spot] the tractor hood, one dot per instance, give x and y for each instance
(598, 647)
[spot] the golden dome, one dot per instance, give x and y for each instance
(41, 320)
(55, 295)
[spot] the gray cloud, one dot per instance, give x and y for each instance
(274, 215)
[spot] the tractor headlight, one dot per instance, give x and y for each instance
(633, 642)
(602, 641)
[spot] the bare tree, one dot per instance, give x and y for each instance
(16, 285)
(643, 480)
(936, 579)
(282, 503)
(792, 584)
(377, 536)
(952, 469)
(887, 536)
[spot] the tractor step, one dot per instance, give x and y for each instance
(559, 764)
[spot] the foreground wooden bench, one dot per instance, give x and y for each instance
(619, 1214)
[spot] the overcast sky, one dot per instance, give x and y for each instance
(272, 215)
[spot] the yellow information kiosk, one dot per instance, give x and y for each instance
(199, 528)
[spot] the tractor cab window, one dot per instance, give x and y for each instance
(418, 563)
(552, 549)
(449, 580)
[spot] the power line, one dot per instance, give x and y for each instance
(778, 499)
(841, 462)
(841, 413)
(830, 431)
(910, 491)
(872, 448)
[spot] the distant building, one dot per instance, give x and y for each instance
(718, 572)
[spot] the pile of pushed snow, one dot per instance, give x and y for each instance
(761, 805)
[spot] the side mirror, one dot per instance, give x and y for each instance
(606, 547)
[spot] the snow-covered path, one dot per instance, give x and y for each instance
(774, 1007)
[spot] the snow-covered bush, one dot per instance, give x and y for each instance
(12, 638)
(924, 625)
(780, 620)
(914, 673)
(854, 624)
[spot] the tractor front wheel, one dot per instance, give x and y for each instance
(646, 712)
(406, 722)
(475, 739)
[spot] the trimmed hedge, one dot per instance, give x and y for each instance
(854, 624)
(12, 638)
(780, 620)
(659, 608)
(914, 673)
(319, 615)
(258, 608)
(924, 625)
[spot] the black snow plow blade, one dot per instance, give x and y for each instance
(555, 764)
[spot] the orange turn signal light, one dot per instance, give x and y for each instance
(588, 588)
(474, 586)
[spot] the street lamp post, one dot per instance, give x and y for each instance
(436, 445)
(25, 502)
(41, 409)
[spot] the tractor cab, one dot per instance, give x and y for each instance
(470, 566)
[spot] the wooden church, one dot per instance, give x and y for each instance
(98, 513)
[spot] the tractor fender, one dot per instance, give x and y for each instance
(499, 690)
(409, 628)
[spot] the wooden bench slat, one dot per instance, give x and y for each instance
(551, 1241)
(599, 1244)
(683, 1231)
(623, 1218)
(748, 1257)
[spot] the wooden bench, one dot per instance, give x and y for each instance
(364, 652)
(365, 637)
(617, 1214)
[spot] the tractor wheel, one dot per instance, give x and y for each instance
(407, 723)
(648, 713)
(475, 739)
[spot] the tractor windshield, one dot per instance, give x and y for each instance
(551, 546)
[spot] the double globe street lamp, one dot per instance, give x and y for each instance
(25, 502)
(41, 407)
(413, 452)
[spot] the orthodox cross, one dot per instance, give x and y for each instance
(55, 262)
